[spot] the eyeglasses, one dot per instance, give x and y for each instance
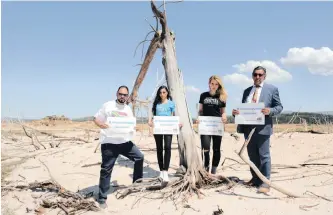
(257, 74)
(121, 94)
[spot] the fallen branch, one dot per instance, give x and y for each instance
(227, 158)
(63, 208)
(37, 140)
(98, 144)
(58, 144)
(320, 158)
(256, 170)
(94, 164)
(68, 201)
(48, 170)
(16, 197)
(30, 136)
(318, 196)
(56, 136)
(22, 176)
(316, 164)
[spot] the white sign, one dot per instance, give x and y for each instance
(123, 127)
(250, 114)
(166, 125)
(210, 125)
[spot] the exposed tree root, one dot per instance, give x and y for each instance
(179, 190)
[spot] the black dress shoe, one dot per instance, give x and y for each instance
(251, 183)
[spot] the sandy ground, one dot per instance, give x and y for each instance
(21, 164)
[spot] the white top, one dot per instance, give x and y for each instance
(249, 98)
(112, 109)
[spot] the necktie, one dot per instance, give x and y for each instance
(255, 95)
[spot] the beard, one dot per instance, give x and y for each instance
(121, 101)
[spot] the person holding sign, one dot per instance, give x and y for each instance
(163, 106)
(258, 147)
(213, 103)
(115, 143)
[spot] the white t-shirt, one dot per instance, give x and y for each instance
(112, 109)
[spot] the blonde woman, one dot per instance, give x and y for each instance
(213, 103)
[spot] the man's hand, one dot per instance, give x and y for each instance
(266, 111)
(180, 125)
(224, 118)
(150, 124)
(103, 126)
(235, 112)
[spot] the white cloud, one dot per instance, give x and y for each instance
(318, 61)
(274, 72)
(192, 89)
(238, 79)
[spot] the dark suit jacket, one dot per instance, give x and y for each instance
(270, 97)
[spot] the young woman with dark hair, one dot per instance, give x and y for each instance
(163, 106)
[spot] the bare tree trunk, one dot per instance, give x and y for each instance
(189, 156)
(195, 175)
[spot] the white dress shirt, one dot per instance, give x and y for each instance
(249, 98)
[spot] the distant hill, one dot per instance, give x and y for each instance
(12, 119)
(326, 112)
(83, 119)
(318, 112)
(310, 117)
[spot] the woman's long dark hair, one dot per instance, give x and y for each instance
(158, 98)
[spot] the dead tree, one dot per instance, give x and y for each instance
(195, 176)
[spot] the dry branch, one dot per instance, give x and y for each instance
(168, 2)
(154, 45)
(318, 196)
(97, 146)
(33, 134)
(48, 170)
(319, 158)
(30, 136)
(258, 173)
(56, 136)
(94, 164)
(68, 201)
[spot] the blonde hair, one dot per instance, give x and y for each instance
(221, 90)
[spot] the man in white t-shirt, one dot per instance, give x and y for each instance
(111, 148)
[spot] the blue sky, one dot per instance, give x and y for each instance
(70, 57)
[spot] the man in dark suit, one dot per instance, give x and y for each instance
(258, 147)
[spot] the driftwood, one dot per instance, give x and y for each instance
(38, 144)
(67, 201)
(322, 197)
(33, 138)
(56, 136)
(258, 173)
